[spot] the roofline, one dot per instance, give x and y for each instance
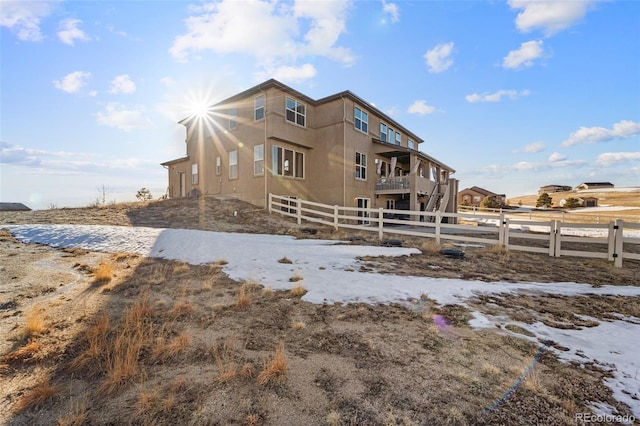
(315, 102)
(414, 151)
(177, 160)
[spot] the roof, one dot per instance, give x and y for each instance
(14, 207)
(177, 160)
(271, 83)
(482, 191)
(597, 183)
(399, 150)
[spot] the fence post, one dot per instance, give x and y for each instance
(555, 249)
(611, 241)
(270, 202)
(438, 222)
(619, 247)
(299, 210)
(380, 224)
(335, 217)
(506, 234)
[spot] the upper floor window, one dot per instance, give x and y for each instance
(194, 173)
(233, 165)
(286, 162)
(218, 166)
(398, 138)
(383, 132)
(258, 108)
(411, 144)
(233, 118)
(390, 135)
(258, 160)
(361, 166)
(361, 120)
(296, 112)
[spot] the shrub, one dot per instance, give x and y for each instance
(275, 369)
(544, 200)
(298, 290)
(36, 396)
(144, 194)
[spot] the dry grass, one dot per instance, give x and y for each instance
(181, 268)
(285, 259)
(247, 371)
(103, 273)
(35, 322)
(35, 396)
(243, 300)
(76, 414)
(253, 420)
(533, 381)
(430, 247)
(333, 419)
(22, 354)
(489, 370)
(224, 358)
(181, 309)
(298, 290)
(298, 325)
(275, 369)
(296, 277)
(147, 400)
(267, 292)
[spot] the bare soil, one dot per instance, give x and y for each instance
(163, 342)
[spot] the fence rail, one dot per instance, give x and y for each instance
(553, 237)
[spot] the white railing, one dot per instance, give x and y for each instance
(554, 237)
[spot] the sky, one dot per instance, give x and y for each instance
(512, 94)
(326, 266)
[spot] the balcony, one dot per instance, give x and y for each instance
(402, 185)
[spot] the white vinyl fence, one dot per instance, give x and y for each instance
(552, 237)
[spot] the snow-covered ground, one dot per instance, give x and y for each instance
(330, 272)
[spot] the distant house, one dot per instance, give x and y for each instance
(589, 201)
(594, 185)
(550, 189)
(13, 207)
(474, 195)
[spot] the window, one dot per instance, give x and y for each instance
(218, 166)
(383, 132)
(258, 160)
(258, 108)
(296, 112)
(476, 198)
(233, 118)
(363, 203)
(398, 138)
(286, 162)
(233, 165)
(194, 173)
(361, 120)
(411, 144)
(390, 137)
(391, 204)
(361, 166)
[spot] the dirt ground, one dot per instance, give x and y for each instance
(113, 338)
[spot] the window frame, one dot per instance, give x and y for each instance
(361, 166)
(295, 111)
(258, 160)
(398, 139)
(294, 169)
(233, 165)
(383, 134)
(259, 108)
(363, 120)
(218, 166)
(194, 173)
(411, 144)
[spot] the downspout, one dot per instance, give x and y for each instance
(344, 152)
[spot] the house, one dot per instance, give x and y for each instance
(588, 201)
(550, 189)
(338, 150)
(14, 207)
(474, 195)
(594, 185)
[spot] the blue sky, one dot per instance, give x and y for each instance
(512, 94)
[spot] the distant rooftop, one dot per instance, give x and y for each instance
(13, 207)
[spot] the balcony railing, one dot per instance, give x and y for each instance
(402, 184)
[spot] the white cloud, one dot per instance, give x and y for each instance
(122, 84)
(420, 107)
(73, 82)
(168, 81)
(535, 147)
(589, 135)
(524, 56)
(392, 10)
(607, 159)
(295, 74)
(118, 116)
(550, 16)
(267, 30)
(438, 59)
(556, 156)
(23, 17)
(69, 32)
(495, 97)
(529, 166)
